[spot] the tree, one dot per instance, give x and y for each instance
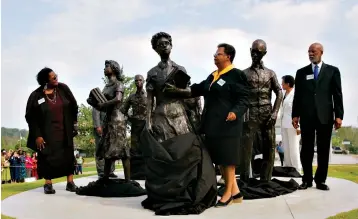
(348, 133)
(336, 141)
(129, 86)
(85, 139)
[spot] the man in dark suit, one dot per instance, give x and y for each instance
(317, 105)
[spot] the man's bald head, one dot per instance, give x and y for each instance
(315, 52)
(259, 44)
(139, 80)
(258, 50)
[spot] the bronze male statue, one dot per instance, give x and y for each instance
(138, 103)
(261, 116)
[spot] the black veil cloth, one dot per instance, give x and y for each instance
(116, 187)
(180, 176)
(256, 189)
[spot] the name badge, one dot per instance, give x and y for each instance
(309, 77)
(221, 82)
(42, 100)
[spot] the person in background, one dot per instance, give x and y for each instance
(34, 165)
(5, 168)
(14, 164)
(290, 135)
(22, 175)
(79, 163)
(280, 152)
(28, 165)
(51, 114)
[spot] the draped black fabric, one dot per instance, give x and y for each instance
(137, 164)
(111, 188)
(180, 177)
(256, 189)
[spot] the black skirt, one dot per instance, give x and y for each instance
(56, 160)
(223, 150)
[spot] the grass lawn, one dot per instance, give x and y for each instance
(349, 172)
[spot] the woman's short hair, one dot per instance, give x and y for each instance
(43, 76)
(118, 71)
(288, 79)
(159, 35)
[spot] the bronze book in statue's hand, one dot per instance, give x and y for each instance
(97, 96)
(178, 78)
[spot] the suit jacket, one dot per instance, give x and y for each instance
(286, 111)
(39, 117)
(229, 93)
(320, 98)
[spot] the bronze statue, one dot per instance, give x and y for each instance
(138, 103)
(193, 110)
(261, 116)
(168, 118)
(113, 144)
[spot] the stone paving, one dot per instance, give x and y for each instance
(311, 203)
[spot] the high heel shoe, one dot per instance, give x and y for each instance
(220, 204)
(237, 198)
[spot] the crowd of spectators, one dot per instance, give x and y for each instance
(17, 165)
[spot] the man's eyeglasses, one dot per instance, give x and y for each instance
(219, 54)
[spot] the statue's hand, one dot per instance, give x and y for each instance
(169, 88)
(272, 120)
(178, 92)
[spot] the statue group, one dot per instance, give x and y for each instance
(167, 117)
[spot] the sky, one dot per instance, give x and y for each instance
(75, 37)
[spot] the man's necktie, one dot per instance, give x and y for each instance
(315, 72)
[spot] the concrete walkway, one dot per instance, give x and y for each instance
(311, 203)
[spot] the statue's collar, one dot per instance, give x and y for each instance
(259, 66)
(164, 64)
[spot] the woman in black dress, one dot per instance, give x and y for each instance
(226, 94)
(113, 144)
(51, 114)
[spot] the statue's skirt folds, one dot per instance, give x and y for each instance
(180, 177)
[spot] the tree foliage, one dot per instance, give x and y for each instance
(85, 139)
(10, 138)
(348, 133)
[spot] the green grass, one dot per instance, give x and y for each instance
(348, 172)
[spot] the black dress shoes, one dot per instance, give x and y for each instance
(220, 204)
(322, 186)
(48, 189)
(71, 187)
(305, 185)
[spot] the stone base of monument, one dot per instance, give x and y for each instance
(310, 203)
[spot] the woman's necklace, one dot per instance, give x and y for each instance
(53, 100)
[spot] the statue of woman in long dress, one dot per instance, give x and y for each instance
(168, 118)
